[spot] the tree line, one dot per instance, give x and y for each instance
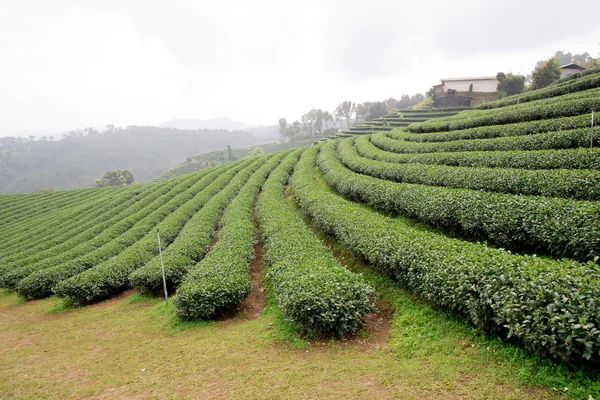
(318, 123)
(544, 73)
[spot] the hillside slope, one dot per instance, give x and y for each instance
(74, 162)
(492, 213)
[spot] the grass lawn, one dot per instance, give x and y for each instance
(133, 347)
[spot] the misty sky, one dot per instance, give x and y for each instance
(71, 64)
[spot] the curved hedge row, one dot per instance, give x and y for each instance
(542, 141)
(222, 279)
(54, 207)
(558, 226)
(112, 276)
(494, 131)
(532, 160)
(85, 223)
(312, 288)
(551, 307)
(576, 184)
(109, 242)
(506, 115)
(38, 234)
(193, 242)
(558, 89)
(124, 232)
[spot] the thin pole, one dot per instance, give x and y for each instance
(592, 131)
(163, 268)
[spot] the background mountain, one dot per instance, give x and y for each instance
(80, 157)
(270, 131)
(215, 123)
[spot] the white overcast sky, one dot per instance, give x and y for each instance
(71, 64)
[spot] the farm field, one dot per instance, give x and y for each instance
(453, 257)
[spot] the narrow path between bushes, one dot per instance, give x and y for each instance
(254, 304)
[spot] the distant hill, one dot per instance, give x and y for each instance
(215, 123)
(75, 161)
(265, 131)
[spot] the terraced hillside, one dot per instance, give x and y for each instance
(397, 119)
(492, 213)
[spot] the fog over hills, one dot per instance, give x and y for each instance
(215, 123)
(266, 131)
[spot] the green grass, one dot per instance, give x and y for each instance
(132, 349)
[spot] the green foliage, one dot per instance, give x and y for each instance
(124, 231)
(493, 131)
(231, 156)
(377, 110)
(568, 139)
(549, 306)
(311, 287)
(564, 106)
(576, 184)
(510, 84)
(532, 160)
(193, 241)
(112, 276)
(222, 279)
(117, 177)
(545, 74)
(558, 88)
(511, 221)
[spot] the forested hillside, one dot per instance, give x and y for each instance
(80, 157)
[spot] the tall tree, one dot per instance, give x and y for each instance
(416, 99)
(545, 74)
(327, 117)
(116, 177)
(346, 109)
(377, 110)
(510, 84)
(231, 156)
(282, 127)
(404, 102)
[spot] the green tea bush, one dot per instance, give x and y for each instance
(123, 231)
(570, 139)
(222, 279)
(576, 184)
(516, 113)
(312, 288)
(494, 131)
(193, 242)
(550, 306)
(112, 276)
(552, 225)
(581, 158)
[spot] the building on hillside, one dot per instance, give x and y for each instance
(569, 69)
(484, 84)
(465, 92)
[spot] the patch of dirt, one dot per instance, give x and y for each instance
(254, 304)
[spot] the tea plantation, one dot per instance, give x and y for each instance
(505, 232)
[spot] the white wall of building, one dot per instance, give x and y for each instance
(479, 85)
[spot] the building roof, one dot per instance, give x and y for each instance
(481, 78)
(572, 66)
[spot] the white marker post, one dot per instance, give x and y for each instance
(592, 132)
(163, 268)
